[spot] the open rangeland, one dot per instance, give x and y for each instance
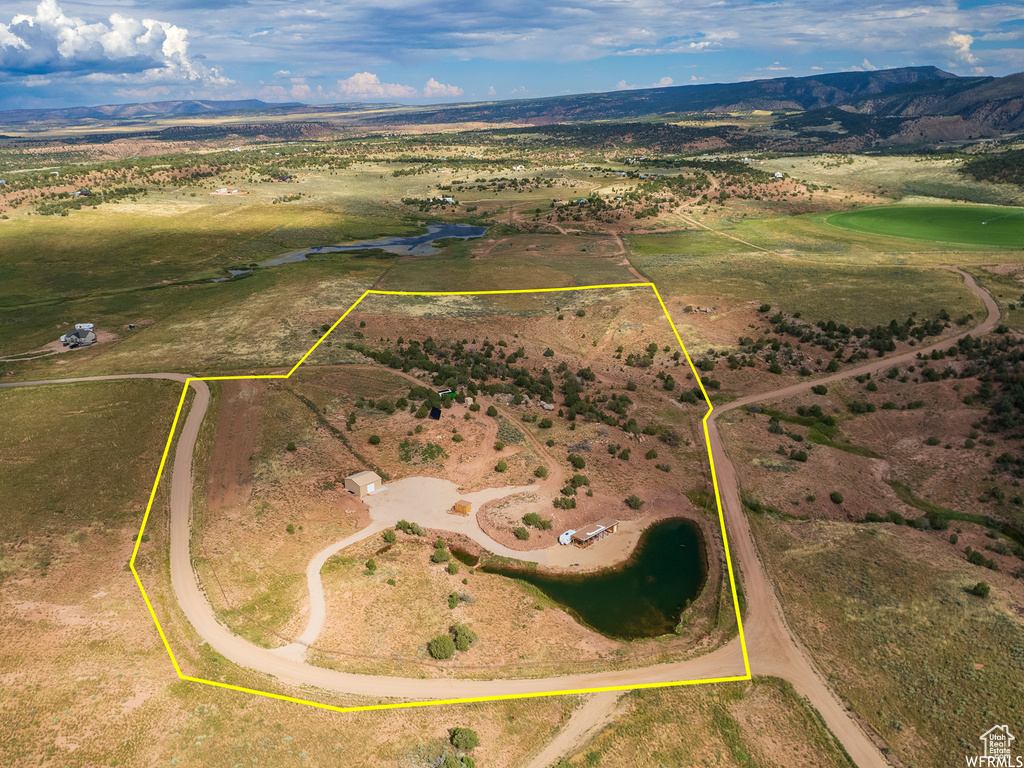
(275, 456)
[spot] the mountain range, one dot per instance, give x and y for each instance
(905, 105)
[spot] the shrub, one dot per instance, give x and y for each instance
(541, 471)
(499, 445)
(412, 529)
(371, 565)
(453, 567)
(624, 454)
(550, 443)
(932, 441)
(374, 440)
(565, 502)
(634, 502)
(652, 454)
(291, 446)
(953, 538)
(501, 466)
(290, 528)
(581, 313)
(578, 462)
(464, 738)
(390, 537)
(463, 637)
(441, 647)
(536, 521)
(545, 423)
(474, 407)
(391, 582)
(981, 589)
(819, 389)
(453, 600)
(798, 455)
(836, 496)
(492, 411)
(521, 533)
(440, 555)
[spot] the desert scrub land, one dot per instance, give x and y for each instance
(85, 679)
(762, 723)
(893, 618)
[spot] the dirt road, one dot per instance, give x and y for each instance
(773, 650)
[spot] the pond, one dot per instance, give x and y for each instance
(417, 245)
(642, 598)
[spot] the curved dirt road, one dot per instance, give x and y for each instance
(773, 650)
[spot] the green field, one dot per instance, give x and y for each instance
(972, 225)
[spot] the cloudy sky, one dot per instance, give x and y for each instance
(77, 52)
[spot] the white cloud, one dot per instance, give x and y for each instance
(776, 67)
(491, 91)
(961, 44)
(434, 89)
(817, 69)
(123, 49)
(366, 85)
(664, 82)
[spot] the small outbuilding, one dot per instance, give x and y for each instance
(363, 483)
(594, 532)
(463, 507)
(435, 414)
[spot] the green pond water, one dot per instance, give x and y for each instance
(642, 598)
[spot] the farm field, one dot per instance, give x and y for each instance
(971, 225)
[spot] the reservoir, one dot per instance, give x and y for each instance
(642, 598)
(417, 245)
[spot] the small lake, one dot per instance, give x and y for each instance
(417, 245)
(643, 598)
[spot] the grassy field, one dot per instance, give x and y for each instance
(79, 455)
(762, 723)
(927, 664)
(818, 291)
(971, 225)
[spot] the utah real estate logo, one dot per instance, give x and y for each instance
(998, 743)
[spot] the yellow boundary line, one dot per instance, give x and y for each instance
(432, 703)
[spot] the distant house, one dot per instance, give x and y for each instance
(83, 193)
(80, 337)
(446, 392)
(780, 175)
(463, 507)
(363, 483)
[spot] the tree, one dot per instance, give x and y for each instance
(981, 589)
(577, 461)
(545, 423)
(501, 466)
(541, 471)
(652, 454)
(836, 496)
(374, 440)
(441, 647)
(492, 411)
(464, 738)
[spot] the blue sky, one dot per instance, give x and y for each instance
(73, 52)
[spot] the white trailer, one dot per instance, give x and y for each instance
(566, 538)
(85, 327)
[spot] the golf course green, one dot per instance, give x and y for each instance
(969, 224)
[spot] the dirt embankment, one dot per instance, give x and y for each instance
(230, 473)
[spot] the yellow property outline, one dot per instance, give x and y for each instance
(430, 703)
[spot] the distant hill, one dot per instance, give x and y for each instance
(130, 111)
(898, 106)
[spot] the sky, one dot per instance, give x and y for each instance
(60, 53)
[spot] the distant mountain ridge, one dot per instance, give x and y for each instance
(905, 105)
(147, 109)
